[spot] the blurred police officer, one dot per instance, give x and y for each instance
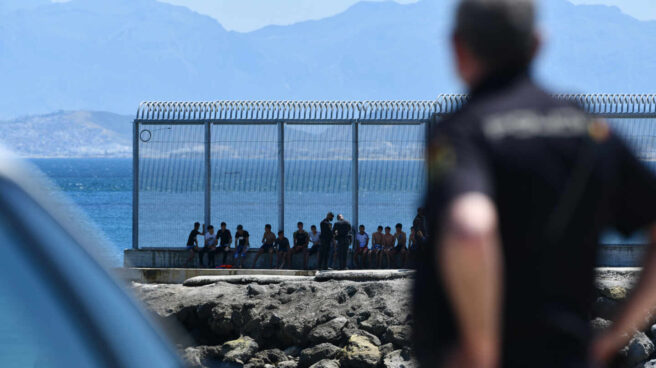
(521, 185)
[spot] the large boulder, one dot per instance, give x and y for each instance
(240, 350)
(360, 353)
(399, 359)
(615, 292)
(326, 363)
(271, 356)
(639, 349)
(330, 331)
(599, 324)
(348, 332)
(203, 356)
(316, 353)
(376, 324)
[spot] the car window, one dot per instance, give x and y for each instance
(35, 329)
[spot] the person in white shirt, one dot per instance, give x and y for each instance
(315, 239)
(210, 246)
(361, 247)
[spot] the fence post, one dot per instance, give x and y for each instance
(208, 173)
(281, 175)
(355, 187)
(135, 185)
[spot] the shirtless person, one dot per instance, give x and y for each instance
(388, 246)
(400, 248)
(267, 245)
(376, 247)
(301, 240)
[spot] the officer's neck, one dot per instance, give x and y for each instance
(497, 79)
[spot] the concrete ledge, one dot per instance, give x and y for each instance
(179, 275)
(244, 279)
(363, 275)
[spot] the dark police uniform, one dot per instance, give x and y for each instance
(343, 238)
(558, 178)
(326, 242)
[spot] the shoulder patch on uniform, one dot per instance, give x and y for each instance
(525, 123)
(441, 158)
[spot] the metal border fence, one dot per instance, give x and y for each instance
(353, 113)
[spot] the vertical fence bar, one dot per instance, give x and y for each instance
(281, 176)
(135, 185)
(355, 187)
(208, 173)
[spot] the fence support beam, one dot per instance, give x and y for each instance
(281, 176)
(135, 185)
(355, 187)
(208, 174)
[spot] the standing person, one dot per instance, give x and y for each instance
(388, 245)
(282, 245)
(326, 240)
(192, 245)
(225, 239)
(315, 238)
(521, 187)
(419, 222)
(376, 247)
(343, 238)
(242, 243)
(301, 240)
(401, 249)
(361, 247)
(210, 246)
(268, 238)
(412, 247)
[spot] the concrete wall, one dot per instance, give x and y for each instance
(176, 258)
(609, 256)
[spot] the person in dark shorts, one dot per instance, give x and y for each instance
(192, 245)
(361, 251)
(343, 237)
(315, 239)
(210, 246)
(419, 222)
(388, 246)
(282, 246)
(327, 237)
(242, 242)
(376, 247)
(521, 186)
(268, 238)
(225, 239)
(401, 249)
(301, 240)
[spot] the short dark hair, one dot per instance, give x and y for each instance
(362, 226)
(196, 224)
(501, 33)
(313, 227)
(380, 227)
(267, 226)
(330, 214)
(223, 224)
(239, 227)
(280, 232)
(299, 224)
(210, 227)
(399, 225)
(388, 228)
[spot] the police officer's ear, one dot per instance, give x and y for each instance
(469, 67)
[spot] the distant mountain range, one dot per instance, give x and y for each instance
(108, 55)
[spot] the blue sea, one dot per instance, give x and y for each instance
(242, 193)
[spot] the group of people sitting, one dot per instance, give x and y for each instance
(331, 244)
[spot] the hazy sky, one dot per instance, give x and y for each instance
(248, 15)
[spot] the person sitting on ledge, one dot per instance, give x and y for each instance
(225, 239)
(192, 245)
(361, 247)
(388, 246)
(241, 245)
(401, 250)
(267, 245)
(301, 240)
(282, 244)
(315, 238)
(210, 246)
(376, 247)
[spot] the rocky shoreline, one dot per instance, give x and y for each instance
(328, 321)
